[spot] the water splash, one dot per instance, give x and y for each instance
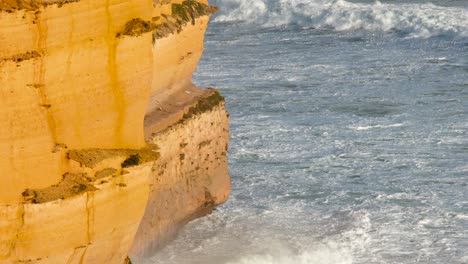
(411, 20)
(329, 253)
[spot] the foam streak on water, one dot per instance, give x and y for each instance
(349, 134)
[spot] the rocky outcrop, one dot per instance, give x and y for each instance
(106, 146)
(190, 177)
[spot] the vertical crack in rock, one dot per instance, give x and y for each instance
(90, 210)
(76, 251)
(69, 75)
(116, 90)
(42, 31)
(89, 221)
(82, 256)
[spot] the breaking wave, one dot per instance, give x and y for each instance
(323, 254)
(412, 20)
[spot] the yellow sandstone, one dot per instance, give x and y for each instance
(106, 146)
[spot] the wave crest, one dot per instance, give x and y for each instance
(415, 20)
(280, 254)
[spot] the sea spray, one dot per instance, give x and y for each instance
(348, 145)
(410, 20)
(329, 253)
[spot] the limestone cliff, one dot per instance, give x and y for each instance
(106, 146)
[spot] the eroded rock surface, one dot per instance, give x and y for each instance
(101, 126)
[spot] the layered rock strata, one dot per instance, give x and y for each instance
(106, 146)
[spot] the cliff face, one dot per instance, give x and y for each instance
(106, 146)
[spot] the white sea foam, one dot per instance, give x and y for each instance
(413, 20)
(358, 128)
(338, 249)
(461, 168)
(329, 253)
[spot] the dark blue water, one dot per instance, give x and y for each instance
(349, 134)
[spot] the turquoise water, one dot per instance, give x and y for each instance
(349, 134)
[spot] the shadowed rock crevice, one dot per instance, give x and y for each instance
(136, 27)
(92, 157)
(70, 185)
(22, 57)
(14, 5)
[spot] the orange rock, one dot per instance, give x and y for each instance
(99, 124)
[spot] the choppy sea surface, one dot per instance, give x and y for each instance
(349, 123)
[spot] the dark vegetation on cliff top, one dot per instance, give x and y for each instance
(187, 11)
(204, 105)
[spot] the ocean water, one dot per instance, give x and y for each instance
(349, 123)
